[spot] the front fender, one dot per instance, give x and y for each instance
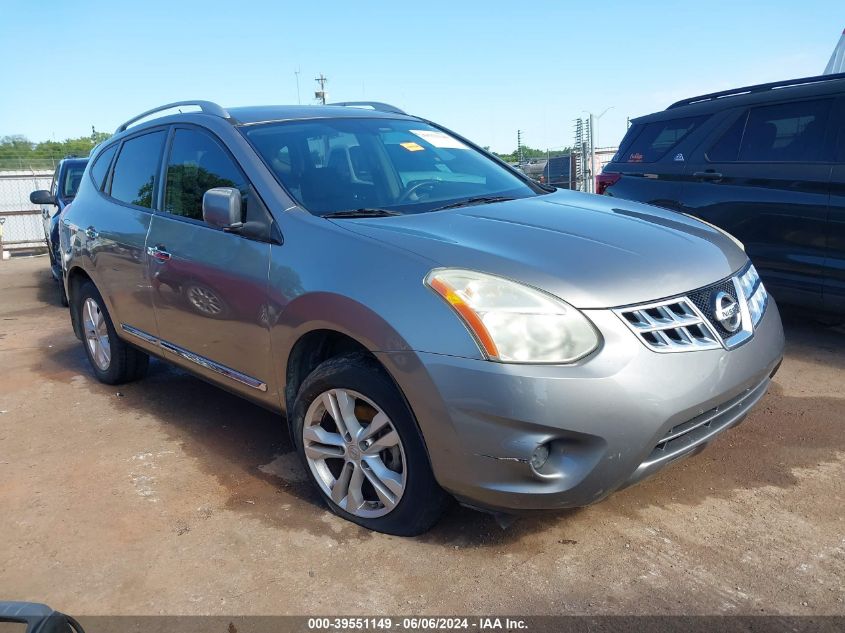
(324, 311)
(329, 311)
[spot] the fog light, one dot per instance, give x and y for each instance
(539, 456)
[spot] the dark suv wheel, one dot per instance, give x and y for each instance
(112, 360)
(362, 449)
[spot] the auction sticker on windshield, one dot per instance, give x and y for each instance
(439, 139)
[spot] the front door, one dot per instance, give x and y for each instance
(209, 286)
(765, 180)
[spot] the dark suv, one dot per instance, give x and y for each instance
(62, 190)
(767, 164)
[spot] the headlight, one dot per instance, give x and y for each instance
(513, 322)
(755, 294)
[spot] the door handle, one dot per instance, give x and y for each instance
(713, 176)
(158, 253)
(92, 233)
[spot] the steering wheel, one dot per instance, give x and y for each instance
(414, 189)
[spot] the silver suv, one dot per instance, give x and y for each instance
(431, 322)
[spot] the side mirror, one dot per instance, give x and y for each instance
(42, 196)
(221, 207)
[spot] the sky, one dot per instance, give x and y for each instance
(483, 69)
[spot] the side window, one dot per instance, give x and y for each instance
(726, 148)
(655, 139)
(197, 163)
(101, 166)
(71, 180)
(786, 132)
(134, 172)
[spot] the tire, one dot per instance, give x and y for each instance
(55, 265)
(357, 383)
(63, 295)
(122, 362)
(50, 253)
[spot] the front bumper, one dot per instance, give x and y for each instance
(611, 420)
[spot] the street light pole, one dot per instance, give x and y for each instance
(598, 118)
(593, 144)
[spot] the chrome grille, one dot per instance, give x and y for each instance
(670, 326)
(688, 323)
(701, 299)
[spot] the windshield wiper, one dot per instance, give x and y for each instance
(471, 201)
(361, 213)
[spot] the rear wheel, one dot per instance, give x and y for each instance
(362, 449)
(112, 360)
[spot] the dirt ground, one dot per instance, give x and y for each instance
(170, 496)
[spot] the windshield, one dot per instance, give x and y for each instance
(70, 183)
(335, 165)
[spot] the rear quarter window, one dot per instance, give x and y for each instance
(649, 142)
(101, 166)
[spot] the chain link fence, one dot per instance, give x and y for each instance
(28, 163)
(21, 226)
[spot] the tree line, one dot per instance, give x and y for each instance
(18, 151)
(530, 152)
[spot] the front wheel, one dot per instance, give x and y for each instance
(113, 360)
(362, 449)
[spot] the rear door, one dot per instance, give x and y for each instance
(834, 277)
(209, 286)
(764, 177)
(116, 225)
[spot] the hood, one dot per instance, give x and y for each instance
(591, 251)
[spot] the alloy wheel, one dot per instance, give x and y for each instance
(96, 334)
(354, 453)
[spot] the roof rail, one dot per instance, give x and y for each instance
(757, 88)
(207, 107)
(375, 105)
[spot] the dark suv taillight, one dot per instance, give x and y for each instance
(603, 181)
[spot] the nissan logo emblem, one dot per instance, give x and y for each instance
(726, 311)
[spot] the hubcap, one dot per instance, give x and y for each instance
(354, 452)
(96, 334)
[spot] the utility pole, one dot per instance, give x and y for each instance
(296, 72)
(520, 158)
(591, 186)
(582, 143)
(320, 94)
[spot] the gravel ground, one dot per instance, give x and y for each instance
(171, 496)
